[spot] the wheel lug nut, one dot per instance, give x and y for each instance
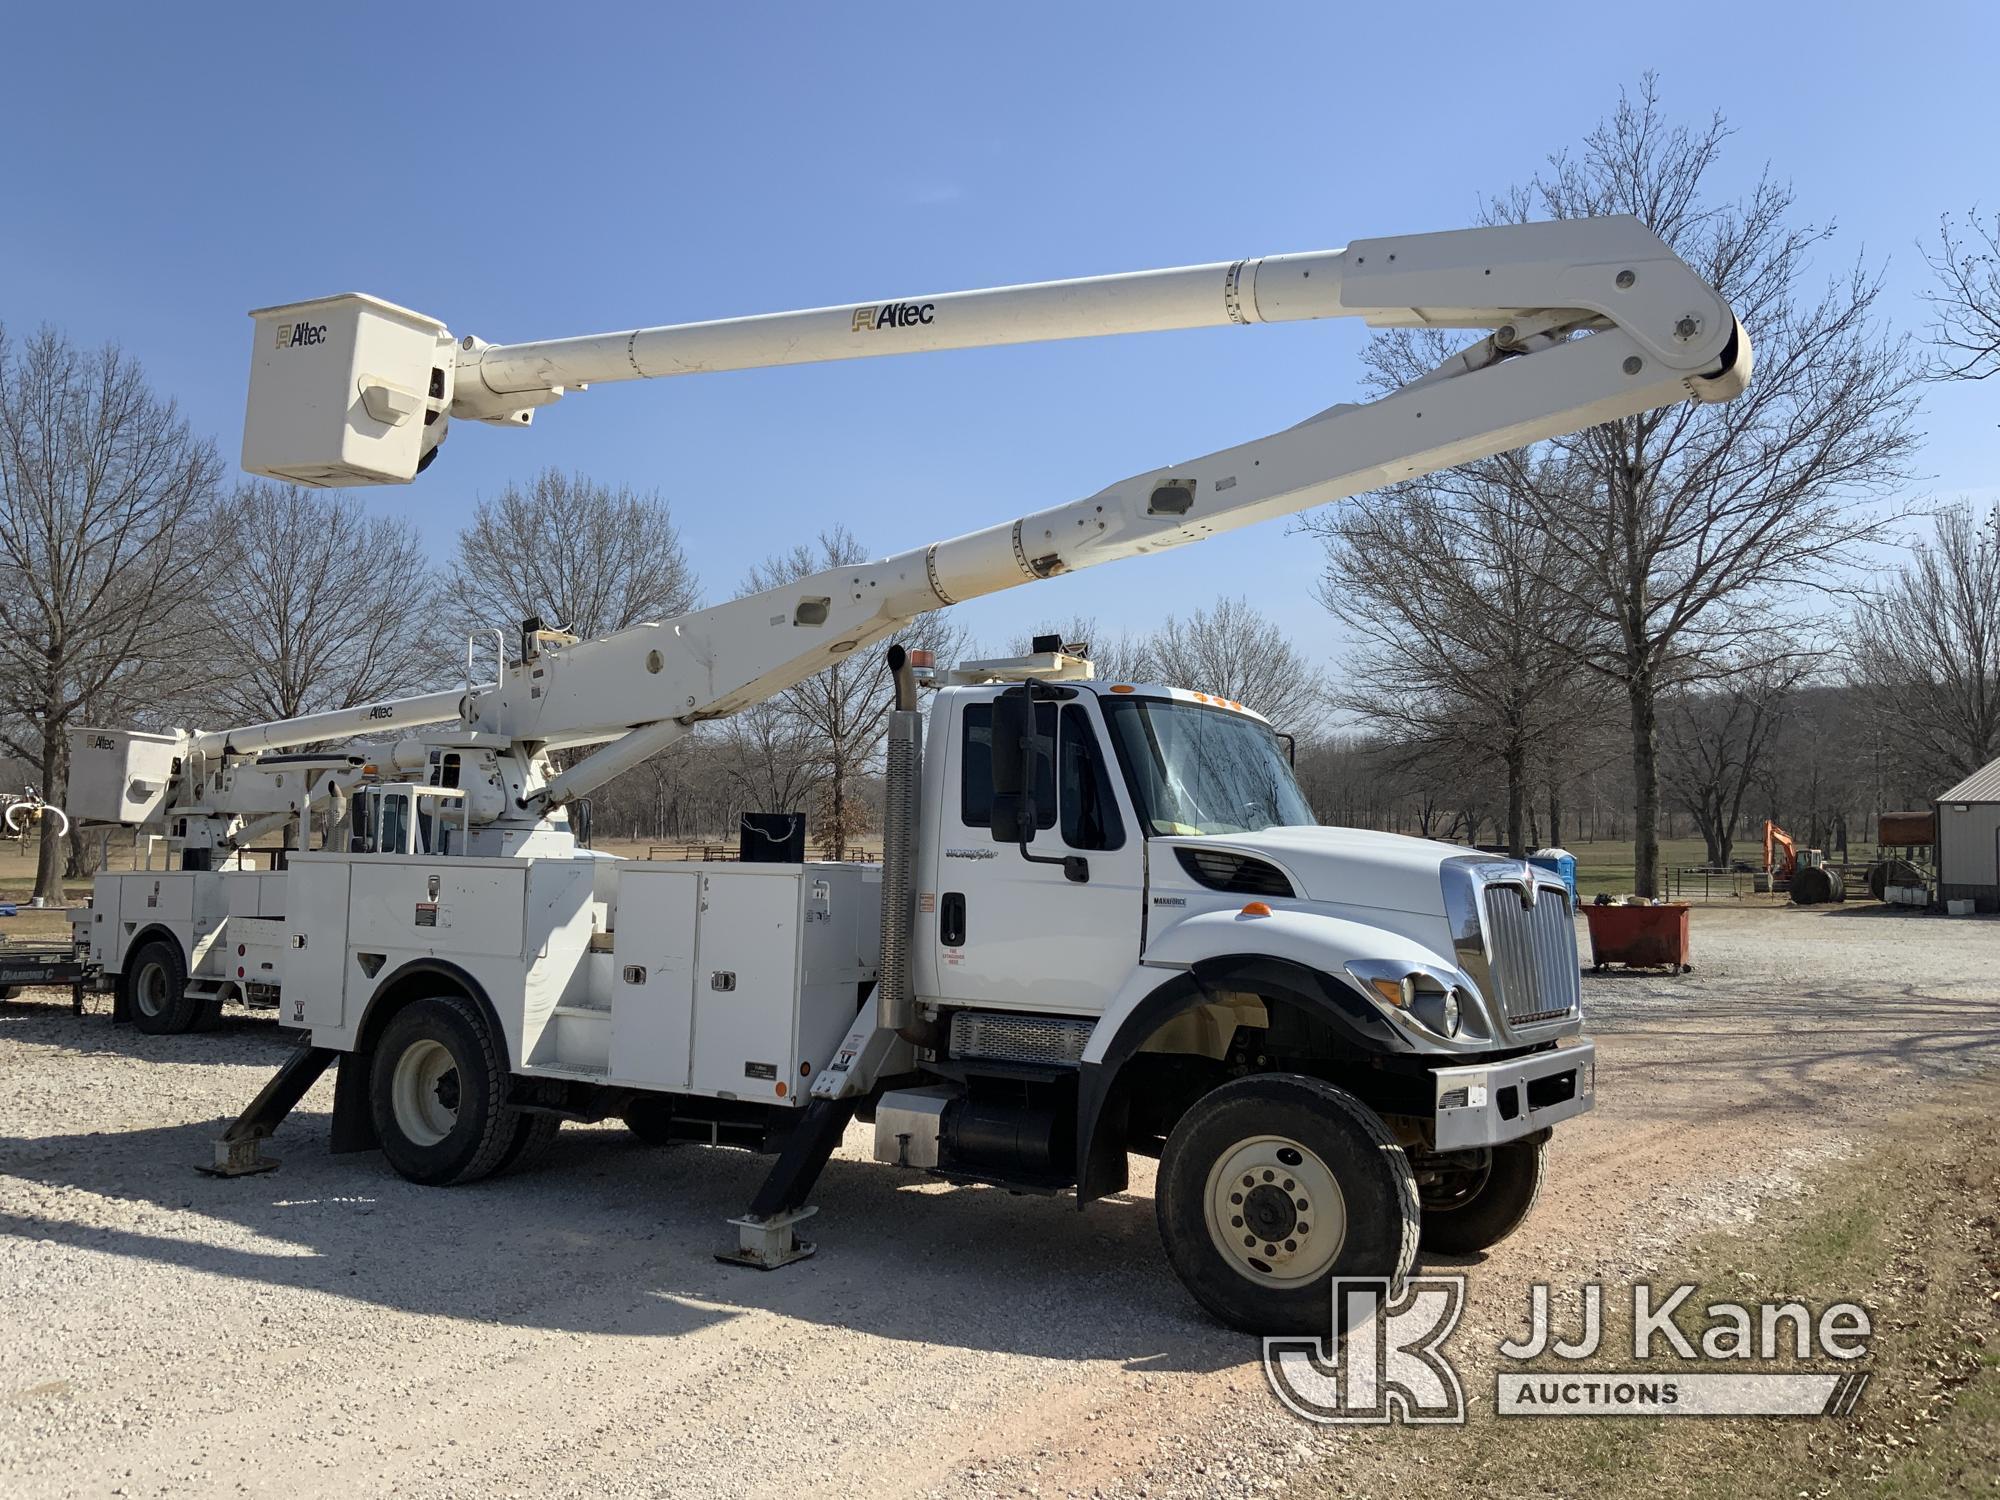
(1305, 1228)
(1303, 1205)
(1289, 1184)
(1270, 1249)
(1249, 1182)
(1291, 1244)
(1237, 1222)
(1235, 1197)
(1250, 1240)
(1270, 1176)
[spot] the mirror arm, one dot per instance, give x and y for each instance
(1074, 866)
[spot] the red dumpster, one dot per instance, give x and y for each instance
(1640, 937)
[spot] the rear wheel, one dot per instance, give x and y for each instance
(1271, 1186)
(438, 1092)
(156, 996)
(1476, 1199)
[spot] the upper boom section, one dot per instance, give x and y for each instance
(353, 390)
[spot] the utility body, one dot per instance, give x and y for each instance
(1105, 923)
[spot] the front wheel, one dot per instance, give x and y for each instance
(1476, 1199)
(438, 1094)
(1271, 1186)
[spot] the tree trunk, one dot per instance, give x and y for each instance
(1517, 799)
(55, 777)
(1645, 783)
(1555, 815)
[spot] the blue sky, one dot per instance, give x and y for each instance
(534, 171)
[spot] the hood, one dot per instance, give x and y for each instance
(1349, 866)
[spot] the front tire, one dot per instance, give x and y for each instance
(1271, 1186)
(438, 1095)
(1476, 1202)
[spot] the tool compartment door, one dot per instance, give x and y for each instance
(746, 983)
(315, 964)
(652, 991)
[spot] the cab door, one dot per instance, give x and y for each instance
(1024, 935)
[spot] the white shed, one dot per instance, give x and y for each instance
(1968, 840)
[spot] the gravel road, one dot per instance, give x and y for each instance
(332, 1330)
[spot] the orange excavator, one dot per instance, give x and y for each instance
(1775, 839)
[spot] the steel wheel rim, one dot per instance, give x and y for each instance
(1254, 1218)
(424, 1092)
(149, 995)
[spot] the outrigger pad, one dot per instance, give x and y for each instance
(764, 1244)
(239, 1158)
(237, 1152)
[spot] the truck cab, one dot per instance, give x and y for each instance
(1137, 941)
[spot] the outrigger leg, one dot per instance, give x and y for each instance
(237, 1152)
(764, 1237)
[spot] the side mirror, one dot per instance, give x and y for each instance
(1008, 818)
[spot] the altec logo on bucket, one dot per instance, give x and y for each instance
(296, 335)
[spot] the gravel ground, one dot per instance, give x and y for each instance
(330, 1329)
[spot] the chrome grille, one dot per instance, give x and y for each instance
(1531, 953)
(1023, 1039)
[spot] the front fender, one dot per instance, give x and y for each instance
(1307, 939)
(1291, 955)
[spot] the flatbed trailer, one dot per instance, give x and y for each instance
(45, 965)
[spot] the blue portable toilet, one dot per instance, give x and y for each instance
(1562, 862)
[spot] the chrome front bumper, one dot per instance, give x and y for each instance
(1487, 1104)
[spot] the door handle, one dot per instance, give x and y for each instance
(951, 919)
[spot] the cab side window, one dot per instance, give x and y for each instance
(1089, 808)
(975, 767)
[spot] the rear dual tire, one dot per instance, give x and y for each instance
(156, 994)
(437, 1093)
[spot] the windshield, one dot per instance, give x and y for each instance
(1202, 770)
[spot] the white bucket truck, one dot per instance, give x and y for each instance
(1105, 922)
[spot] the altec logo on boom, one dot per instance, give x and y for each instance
(892, 315)
(295, 335)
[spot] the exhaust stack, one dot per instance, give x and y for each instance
(895, 994)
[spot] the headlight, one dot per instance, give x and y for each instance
(1424, 996)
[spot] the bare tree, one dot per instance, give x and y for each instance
(1680, 529)
(580, 554)
(773, 759)
(1717, 743)
(1468, 655)
(1235, 652)
(322, 606)
(105, 502)
(1965, 332)
(1926, 648)
(841, 713)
